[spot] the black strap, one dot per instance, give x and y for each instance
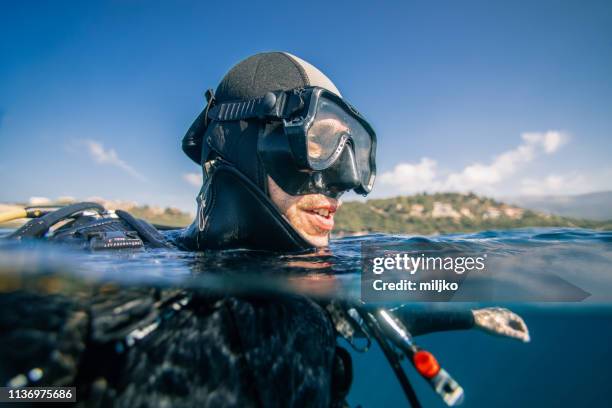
(391, 356)
(39, 226)
(146, 232)
(210, 102)
(192, 141)
(278, 105)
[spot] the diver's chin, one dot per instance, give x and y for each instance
(319, 241)
(315, 228)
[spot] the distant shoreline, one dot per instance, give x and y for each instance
(425, 214)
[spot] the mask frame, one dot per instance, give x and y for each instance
(288, 156)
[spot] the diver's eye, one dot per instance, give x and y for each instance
(326, 128)
(324, 136)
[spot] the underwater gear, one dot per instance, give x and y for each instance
(39, 226)
(342, 375)
(434, 321)
(395, 341)
(26, 212)
(424, 362)
(325, 145)
(347, 323)
(14, 214)
(394, 331)
(114, 240)
(252, 78)
(91, 226)
(137, 345)
(250, 131)
(144, 229)
(372, 327)
(233, 212)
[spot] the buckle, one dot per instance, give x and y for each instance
(210, 102)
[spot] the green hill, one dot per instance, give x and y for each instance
(444, 213)
(169, 216)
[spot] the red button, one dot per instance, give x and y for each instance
(426, 364)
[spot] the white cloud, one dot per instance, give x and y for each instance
(39, 201)
(195, 179)
(109, 156)
(424, 176)
(551, 141)
(408, 177)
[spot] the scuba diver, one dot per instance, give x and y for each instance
(278, 145)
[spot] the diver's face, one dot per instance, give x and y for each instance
(312, 215)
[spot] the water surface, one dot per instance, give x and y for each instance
(567, 359)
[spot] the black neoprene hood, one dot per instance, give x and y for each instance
(234, 210)
(266, 72)
(252, 78)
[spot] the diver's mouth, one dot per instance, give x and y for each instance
(322, 218)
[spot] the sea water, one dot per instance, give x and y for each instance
(565, 364)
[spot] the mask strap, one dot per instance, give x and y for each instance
(210, 99)
(276, 105)
(192, 141)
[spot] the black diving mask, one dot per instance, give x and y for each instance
(313, 142)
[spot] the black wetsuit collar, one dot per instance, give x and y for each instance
(233, 212)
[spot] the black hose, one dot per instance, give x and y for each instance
(146, 232)
(392, 357)
(161, 227)
(39, 226)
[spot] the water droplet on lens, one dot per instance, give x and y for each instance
(35, 374)
(18, 381)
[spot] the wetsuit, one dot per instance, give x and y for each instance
(165, 347)
(428, 321)
(128, 347)
(147, 347)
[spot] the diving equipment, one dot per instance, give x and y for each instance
(39, 226)
(423, 361)
(234, 213)
(322, 144)
(91, 226)
(252, 78)
(272, 116)
(25, 212)
(395, 340)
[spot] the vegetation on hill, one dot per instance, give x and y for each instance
(169, 216)
(444, 213)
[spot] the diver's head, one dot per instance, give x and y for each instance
(284, 125)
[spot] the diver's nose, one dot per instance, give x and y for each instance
(343, 174)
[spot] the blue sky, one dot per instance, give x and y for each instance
(503, 98)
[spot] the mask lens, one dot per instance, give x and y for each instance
(330, 130)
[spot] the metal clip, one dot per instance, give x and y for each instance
(208, 168)
(348, 327)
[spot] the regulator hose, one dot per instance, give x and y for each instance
(39, 226)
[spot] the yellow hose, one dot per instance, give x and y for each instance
(13, 215)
